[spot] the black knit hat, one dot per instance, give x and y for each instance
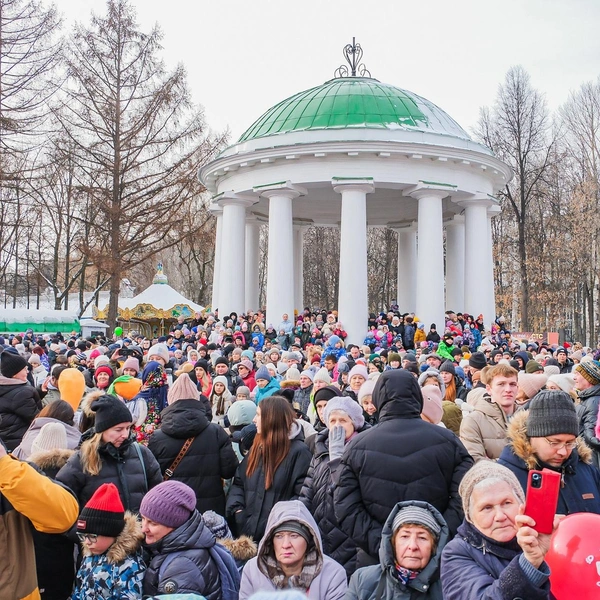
(552, 412)
(448, 366)
(110, 411)
(477, 360)
(326, 393)
(11, 363)
(221, 361)
(104, 513)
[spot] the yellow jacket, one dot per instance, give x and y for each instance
(27, 498)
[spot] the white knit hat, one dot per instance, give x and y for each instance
(323, 375)
(50, 437)
(159, 350)
(292, 374)
(565, 382)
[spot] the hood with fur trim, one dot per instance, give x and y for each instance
(242, 549)
(128, 542)
(521, 446)
(51, 460)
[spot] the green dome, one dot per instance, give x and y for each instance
(354, 103)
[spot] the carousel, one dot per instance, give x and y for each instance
(153, 311)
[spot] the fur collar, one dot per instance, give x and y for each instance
(290, 383)
(127, 543)
(519, 442)
(87, 402)
(51, 459)
(242, 548)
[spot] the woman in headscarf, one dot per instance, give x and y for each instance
(154, 392)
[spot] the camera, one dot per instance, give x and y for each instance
(536, 480)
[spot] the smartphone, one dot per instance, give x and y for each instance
(541, 499)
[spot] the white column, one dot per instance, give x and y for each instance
(430, 253)
(490, 314)
(455, 264)
(299, 267)
(353, 302)
(407, 268)
(251, 259)
(218, 212)
(232, 280)
(477, 257)
(280, 266)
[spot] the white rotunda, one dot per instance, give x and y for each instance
(354, 153)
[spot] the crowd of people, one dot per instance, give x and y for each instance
(235, 457)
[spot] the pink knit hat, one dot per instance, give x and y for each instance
(432, 403)
(532, 383)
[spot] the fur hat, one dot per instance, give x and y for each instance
(531, 383)
(552, 412)
(52, 436)
(11, 363)
(170, 503)
(432, 403)
(103, 513)
(346, 405)
(482, 470)
(183, 389)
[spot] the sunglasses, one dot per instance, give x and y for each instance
(90, 537)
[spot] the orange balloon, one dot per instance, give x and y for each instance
(71, 385)
(574, 558)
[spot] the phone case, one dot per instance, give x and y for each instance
(541, 502)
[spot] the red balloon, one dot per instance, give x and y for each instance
(574, 558)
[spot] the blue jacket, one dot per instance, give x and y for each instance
(271, 388)
(118, 573)
(475, 567)
(580, 491)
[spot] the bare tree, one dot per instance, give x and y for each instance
(137, 139)
(518, 130)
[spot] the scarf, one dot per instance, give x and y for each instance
(155, 387)
(406, 575)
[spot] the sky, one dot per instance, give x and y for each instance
(242, 57)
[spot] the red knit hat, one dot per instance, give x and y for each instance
(104, 513)
(104, 369)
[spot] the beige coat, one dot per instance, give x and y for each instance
(483, 431)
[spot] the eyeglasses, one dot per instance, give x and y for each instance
(561, 445)
(90, 537)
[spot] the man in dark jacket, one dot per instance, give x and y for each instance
(565, 364)
(545, 437)
(587, 383)
(210, 457)
(222, 369)
(403, 458)
(19, 401)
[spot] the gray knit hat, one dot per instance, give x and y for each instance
(486, 469)
(415, 515)
(552, 412)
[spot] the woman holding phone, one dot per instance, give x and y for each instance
(496, 552)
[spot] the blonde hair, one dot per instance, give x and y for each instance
(91, 462)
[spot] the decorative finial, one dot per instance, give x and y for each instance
(160, 277)
(353, 54)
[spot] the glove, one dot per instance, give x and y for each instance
(337, 438)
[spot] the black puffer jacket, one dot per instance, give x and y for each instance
(317, 496)
(587, 412)
(181, 561)
(248, 494)
(121, 466)
(209, 459)
(19, 405)
(403, 458)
